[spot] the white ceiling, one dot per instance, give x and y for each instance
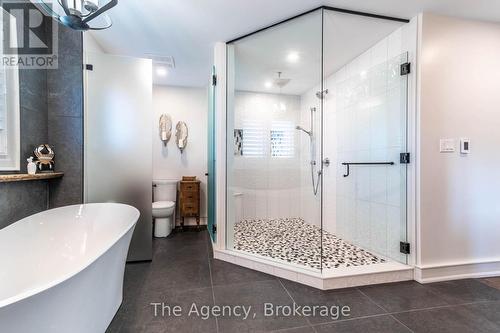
(188, 29)
(260, 56)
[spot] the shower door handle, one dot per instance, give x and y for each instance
(363, 163)
(326, 162)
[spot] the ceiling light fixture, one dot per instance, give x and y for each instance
(268, 84)
(161, 71)
(78, 14)
(280, 82)
(293, 57)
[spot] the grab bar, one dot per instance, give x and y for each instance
(364, 163)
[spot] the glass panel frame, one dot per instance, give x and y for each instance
(211, 158)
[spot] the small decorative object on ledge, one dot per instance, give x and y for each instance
(165, 128)
(181, 134)
(31, 166)
(45, 156)
(189, 199)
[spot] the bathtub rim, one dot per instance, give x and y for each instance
(64, 277)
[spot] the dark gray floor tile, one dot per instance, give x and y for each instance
(404, 296)
(456, 319)
(489, 311)
(181, 246)
(493, 282)
(178, 274)
(359, 305)
(143, 318)
(226, 273)
(305, 329)
(182, 270)
(465, 291)
(255, 295)
(136, 274)
(210, 248)
(379, 324)
(251, 293)
(132, 329)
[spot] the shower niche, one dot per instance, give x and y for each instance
(318, 108)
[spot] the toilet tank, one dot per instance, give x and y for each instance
(165, 190)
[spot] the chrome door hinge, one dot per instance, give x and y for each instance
(214, 80)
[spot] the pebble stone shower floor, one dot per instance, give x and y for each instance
(295, 241)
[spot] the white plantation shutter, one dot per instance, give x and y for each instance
(9, 102)
(282, 139)
(3, 103)
(254, 139)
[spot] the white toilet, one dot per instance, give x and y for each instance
(164, 195)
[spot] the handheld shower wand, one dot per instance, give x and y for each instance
(303, 130)
(312, 145)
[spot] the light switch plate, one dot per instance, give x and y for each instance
(464, 146)
(447, 145)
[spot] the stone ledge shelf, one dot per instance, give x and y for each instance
(22, 177)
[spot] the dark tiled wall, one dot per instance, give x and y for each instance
(33, 104)
(51, 112)
(18, 200)
(65, 119)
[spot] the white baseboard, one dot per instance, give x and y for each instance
(457, 271)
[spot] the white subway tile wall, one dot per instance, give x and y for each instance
(363, 119)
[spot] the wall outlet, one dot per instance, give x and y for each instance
(447, 146)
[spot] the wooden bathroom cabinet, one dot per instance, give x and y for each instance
(189, 200)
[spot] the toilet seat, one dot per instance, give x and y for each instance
(163, 209)
(163, 204)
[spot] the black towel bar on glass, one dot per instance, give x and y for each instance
(363, 163)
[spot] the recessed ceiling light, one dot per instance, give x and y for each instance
(161, 71)
(268, 84)
(293, 57)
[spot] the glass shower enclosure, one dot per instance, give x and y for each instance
(316, 157)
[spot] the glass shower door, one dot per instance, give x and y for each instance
(212, 224)
(372, 172)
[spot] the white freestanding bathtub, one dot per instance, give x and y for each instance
(62, 270)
